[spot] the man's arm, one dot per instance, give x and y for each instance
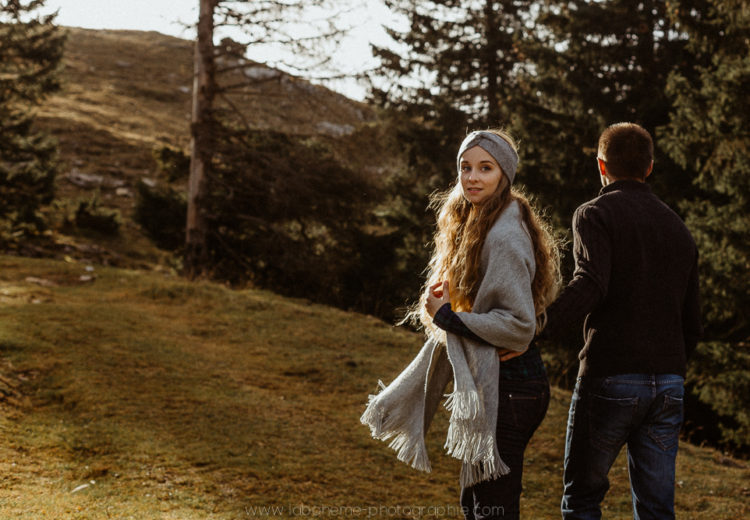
(592, 254)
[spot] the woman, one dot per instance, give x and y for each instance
(493, 271)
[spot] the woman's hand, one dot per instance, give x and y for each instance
(506, 355)
(437, 296)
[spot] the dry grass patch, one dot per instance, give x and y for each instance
(153, 397)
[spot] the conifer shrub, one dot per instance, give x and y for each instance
(91, 215)
(172, 162)
(31, 49)
(284, 214)
(161, 213)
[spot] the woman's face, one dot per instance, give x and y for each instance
(480, 175)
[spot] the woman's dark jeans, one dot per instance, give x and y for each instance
(521, 409)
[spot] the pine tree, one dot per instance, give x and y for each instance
(555, 73)
(709, 134)
(450, 72)
(31, 50)
(261, 22)
(458, 72)
(203, 124)
(591, 64)
(460, 53)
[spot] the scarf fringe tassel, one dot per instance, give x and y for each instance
(410, 448)
(481, 461)
(463, 405)
(472, 474)
(475, 449)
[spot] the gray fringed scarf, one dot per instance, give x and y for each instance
(503, 315)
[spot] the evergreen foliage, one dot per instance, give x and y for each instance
(172, 162)
(589, 65)
(460, 66)
(161, 212)
(283, 213)
(424, 169)
(709, 134)
(457, 75)
(90, 215)
(30, 53)
(259, 23)
(573, 68)
(286, 214)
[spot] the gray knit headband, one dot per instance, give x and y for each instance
(496, 146)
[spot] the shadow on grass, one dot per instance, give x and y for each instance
(241, 398)
(207, 402)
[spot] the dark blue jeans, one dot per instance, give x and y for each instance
(521, 408)
(641, 411)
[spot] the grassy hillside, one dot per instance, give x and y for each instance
(125, 93)
(128, 394)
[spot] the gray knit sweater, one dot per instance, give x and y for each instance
(503, 315)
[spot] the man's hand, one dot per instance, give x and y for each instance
(437, 296)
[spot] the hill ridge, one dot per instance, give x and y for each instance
(126, 93)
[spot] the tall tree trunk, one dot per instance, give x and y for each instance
(204, 91)
(491, 63)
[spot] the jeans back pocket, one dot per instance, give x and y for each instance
(664, 424)
(610, 420)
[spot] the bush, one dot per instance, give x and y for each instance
(719, 385)
(92, 216)
(284, 214)
(161, 212)
(174, 163)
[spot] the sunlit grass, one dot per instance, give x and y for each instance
(152, 397)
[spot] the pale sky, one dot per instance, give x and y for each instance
(165, 16)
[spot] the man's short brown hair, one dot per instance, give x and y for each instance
(628, 150)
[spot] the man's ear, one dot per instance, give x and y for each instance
(602, 166)
(650, 169)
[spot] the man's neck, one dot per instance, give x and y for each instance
(609, 179)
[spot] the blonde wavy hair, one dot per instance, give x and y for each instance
(461, 231)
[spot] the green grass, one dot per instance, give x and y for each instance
(185, 401)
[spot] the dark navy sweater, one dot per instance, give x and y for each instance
(635, 281)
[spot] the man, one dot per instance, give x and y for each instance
(636, 281)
